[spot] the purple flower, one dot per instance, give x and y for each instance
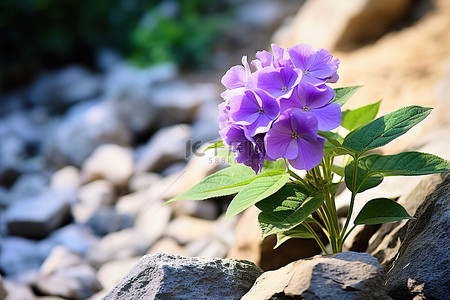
(317, 66)
(277, 82)
(236, 78)
(248, 150)
(254, 109)
(265, 59)
(294, 137)
(315, 100)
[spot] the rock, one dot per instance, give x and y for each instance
(112, 272)
(93, 196)
(209, 247)
(60, 89)
(86, 126)
(346, 275)
(205, 127)
(385, 243)
(28, 185)
(20, 255)
(133, 203)
(74, 282)
(185, 229)
(18, 291)
(178, 102)
(3, 293)
(67, 177)
(105, 221)
(167, 245)
(36, 217)
(139, 181)
(153, 220)
(119, 245)
(76, 238)
(206, 209)
(339, 26)
(167, 146)
(111, 162)
(162, 276)
(60, 258)
(421, 267)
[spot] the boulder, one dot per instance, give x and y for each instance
(163, 276)
(421, 267)
(340, 25)
(110, 273)
(346, 275)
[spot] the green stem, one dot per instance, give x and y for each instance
(352, 201)
(316, 237)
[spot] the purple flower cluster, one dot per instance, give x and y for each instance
(276, 110)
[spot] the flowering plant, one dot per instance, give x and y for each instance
(283, 117)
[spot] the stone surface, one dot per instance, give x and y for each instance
(67, 177)
(346, 275)
(18, 291)
(385, 243)
(93, 196)
(110, 162)
(167, 146)
(85, 127)
(3, 293)
(74, 282)
(36, 217)
(421, 267)
(167, 245)
(60, 258)
(110, 273)
(75, 237)
(162, 276)
(109, 220)
(185, 229)
(330, 24)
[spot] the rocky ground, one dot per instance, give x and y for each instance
(88, 159)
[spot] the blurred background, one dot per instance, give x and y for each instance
(106, 105)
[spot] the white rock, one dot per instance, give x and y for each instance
(67, 177)
(167, 146)
(139, 181)
(185, 229)
(111, 162)
(60, 258)
(92, 197)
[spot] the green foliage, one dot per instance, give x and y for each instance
(344, 93)
(287, 208)
(385, 129)
(381, 210)
(372, 168)
(353, 119)
(298, 232)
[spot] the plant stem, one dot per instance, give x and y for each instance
(343, 235)
(316, 237)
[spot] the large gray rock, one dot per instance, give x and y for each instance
(36, 217)
(421, 268)
(163, 276)
(346, 275)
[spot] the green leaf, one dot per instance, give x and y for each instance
(338, 170)
(372, 168)
(385, 129)
(287, 208)
(273, 165)
(224, 182)
(262, 187)
(333, 144)
(353, 119)
(215, 145)
(344, 93)
(226, 156)
(299, 232)
(381, 210)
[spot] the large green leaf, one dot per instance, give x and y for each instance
(298, 232)
(372, 168)
(353, 119)
(344, 93)
(287, 208)
(381, 210)
(385, 129)
(224, 182)
(262, 187)
(273, 165)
